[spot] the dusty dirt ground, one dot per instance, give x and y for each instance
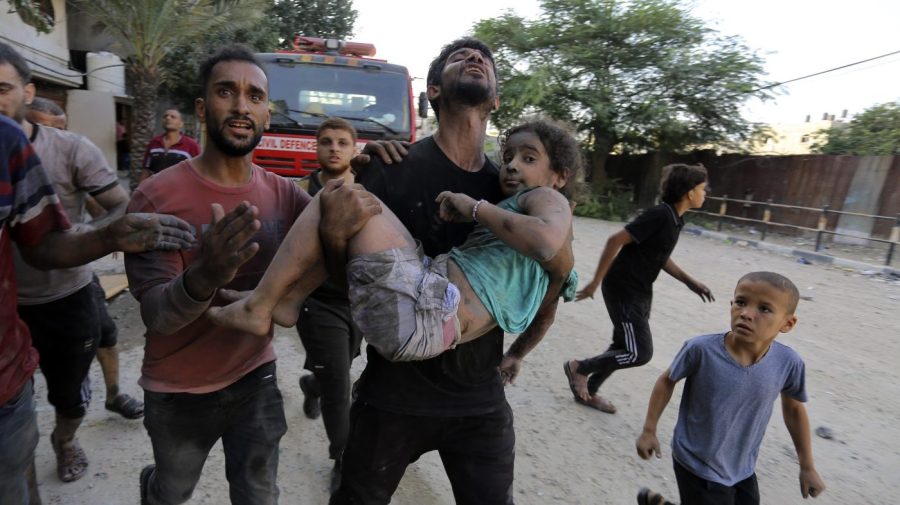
(848, 334)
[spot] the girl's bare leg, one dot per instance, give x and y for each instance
(298, 268)
(299, 256)
(380, 233)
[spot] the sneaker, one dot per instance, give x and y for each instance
(311, 407)
(145, 483)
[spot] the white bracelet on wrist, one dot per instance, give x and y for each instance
(475, 210)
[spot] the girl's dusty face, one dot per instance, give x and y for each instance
(526, 164)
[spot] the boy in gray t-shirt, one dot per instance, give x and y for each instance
(732, 381)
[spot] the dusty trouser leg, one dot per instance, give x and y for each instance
(34, 496)
(18, 439)
(401, 301)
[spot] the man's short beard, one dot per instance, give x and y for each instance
(470, 93)
(227, 147)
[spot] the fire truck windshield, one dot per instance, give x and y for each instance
(375, 101)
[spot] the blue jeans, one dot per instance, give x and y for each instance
(249, 418)
(18, 439)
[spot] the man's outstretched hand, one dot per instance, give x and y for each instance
(226, 246)
(140, 232)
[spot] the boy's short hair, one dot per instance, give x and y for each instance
(336, 123)
(779, 282)
(561, 146)
(12, 57)
(678, 179)
(231, 52)
(438, 64)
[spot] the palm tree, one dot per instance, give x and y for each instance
(148, 30)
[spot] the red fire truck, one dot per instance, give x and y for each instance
(321, 78)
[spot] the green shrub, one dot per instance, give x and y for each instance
(610, 202)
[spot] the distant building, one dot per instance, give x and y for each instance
(69, 68)
(792, 138)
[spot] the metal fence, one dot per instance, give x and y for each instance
(821, 230)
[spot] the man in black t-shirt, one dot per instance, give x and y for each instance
(453, 403)
(325, 326)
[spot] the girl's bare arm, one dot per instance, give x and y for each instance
(539, 232)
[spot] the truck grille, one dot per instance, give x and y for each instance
(286, 165)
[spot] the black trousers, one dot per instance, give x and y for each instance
(331, 341)
(632, 342)
(109, 333)
(66, 333)
(478, 453)
(695, 490)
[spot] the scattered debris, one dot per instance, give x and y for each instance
(807, 298)
(825, 432)
(868, 272)
(803, 261)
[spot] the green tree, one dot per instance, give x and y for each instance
(631, 75)
(876, 131)
(147, 31)
(273, 30)
(186, 58)
(313, 18)
(31, 13)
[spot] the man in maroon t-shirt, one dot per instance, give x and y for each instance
(202, 382)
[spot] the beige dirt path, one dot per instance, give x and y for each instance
(848, 333)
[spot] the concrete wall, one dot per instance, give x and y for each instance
(863, 196)
(47, 53)
(93, 114)
(85, 34)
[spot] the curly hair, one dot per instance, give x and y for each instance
(562, 148)
(678, 179)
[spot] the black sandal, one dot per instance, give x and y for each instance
(647, 497)
(126, 406)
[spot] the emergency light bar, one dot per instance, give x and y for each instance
(315, 44)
